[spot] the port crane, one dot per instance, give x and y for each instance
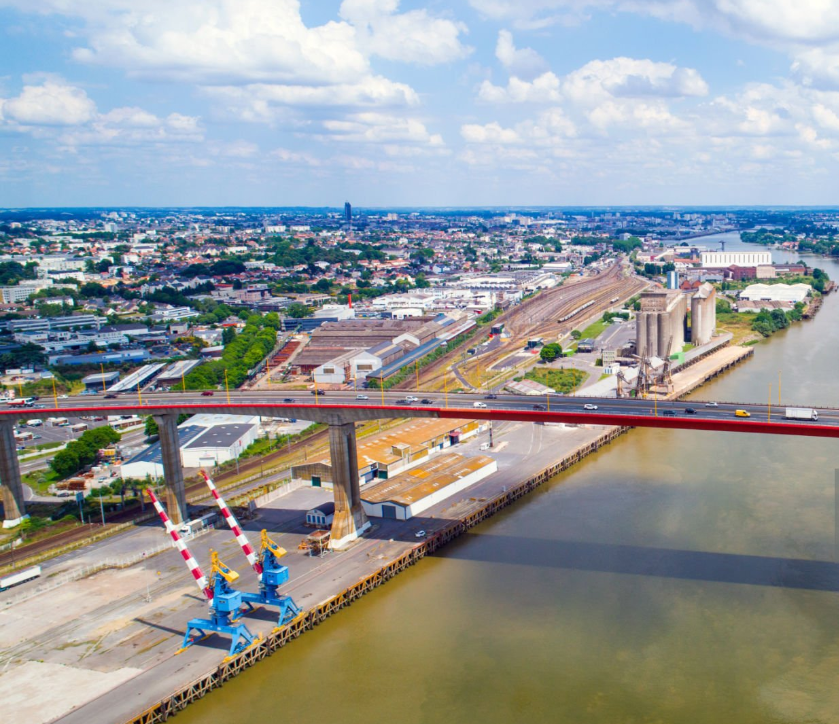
(225, 601)
(266, 563)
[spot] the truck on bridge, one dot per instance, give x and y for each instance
(801, 413)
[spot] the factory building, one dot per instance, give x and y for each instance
(703, 314)
(384, 455)
(414, 491)
(204, 441)
(99, 382)
(660, 325)
(791, 293)
(735, 258)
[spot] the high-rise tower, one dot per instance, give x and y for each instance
(348, 216)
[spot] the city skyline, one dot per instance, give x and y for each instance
(414, 104)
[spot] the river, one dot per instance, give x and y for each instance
(675, 576)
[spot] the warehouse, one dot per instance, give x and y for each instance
(204, 440)
(414, 491)
(776, 292)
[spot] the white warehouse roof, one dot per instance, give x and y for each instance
(776, 292)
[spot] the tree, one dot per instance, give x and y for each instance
(550, 352)
(421, 282)
(576, 334)
(723, 307)
(298, 310)
(228, 334)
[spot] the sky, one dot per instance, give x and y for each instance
(418, 102)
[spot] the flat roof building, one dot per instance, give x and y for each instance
(414, 491)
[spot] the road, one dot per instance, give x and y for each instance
(604, 411)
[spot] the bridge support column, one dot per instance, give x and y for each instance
(350, 521)
(173, 472)
(10, 482)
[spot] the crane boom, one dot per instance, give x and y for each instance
(191, 563)
(227, 514)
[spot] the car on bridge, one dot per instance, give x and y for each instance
(539, 407)
(207, 393)
(481, 405)
(426, 401)
(362, 397)
(742, 413)
(712, 404)
(669, 413)
(690, 411)
(288, 399)
(317, 393)
(491, 397)
(589, 406)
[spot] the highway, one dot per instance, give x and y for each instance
(373, 404)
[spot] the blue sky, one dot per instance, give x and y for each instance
(382, 102)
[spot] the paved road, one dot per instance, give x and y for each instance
(598, 408)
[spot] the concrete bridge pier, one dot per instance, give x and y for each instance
(350, 520)
(10, 482)
(173, 472)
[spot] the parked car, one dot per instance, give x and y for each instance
(589, 406)
(207, 393)
(362, 397)
(420, 534)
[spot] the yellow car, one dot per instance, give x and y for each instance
(742, 413)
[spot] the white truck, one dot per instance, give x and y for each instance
(15, 579)
(801, 413)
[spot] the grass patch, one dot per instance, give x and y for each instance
(739, 324)
(40, 480)
(593, 331)
(564, 381)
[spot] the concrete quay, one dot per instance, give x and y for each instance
(106, 643)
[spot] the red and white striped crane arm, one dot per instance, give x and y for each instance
(191, 563)
(241, 538)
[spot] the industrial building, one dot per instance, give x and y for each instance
(175, 373)
(204, 441)
(703, 314)
(735, 258)
(776, 292)
(660, 325)
(414, 491)
(384, 455)
(99, 382)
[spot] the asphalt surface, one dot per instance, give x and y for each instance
(721, 411)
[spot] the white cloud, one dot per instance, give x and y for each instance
(550, 128)
(53, 103)
(632, 78)
(524, 63)
(544, 89)
(265, 103)
(380, 128)
(412, 37)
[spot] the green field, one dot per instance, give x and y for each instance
(563, 381)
